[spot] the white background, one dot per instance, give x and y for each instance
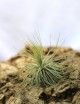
(47, 17)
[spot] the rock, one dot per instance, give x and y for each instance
(7, 70)
(33, 96)
(52, 102)
(64, 102)
(7, 73)
(13, 100)
(67, 92)
(21, 61)
(1, 98)
(74, 74)
(76, 98)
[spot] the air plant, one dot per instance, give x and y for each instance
(43, 70)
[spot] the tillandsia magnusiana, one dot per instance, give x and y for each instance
(43, 70)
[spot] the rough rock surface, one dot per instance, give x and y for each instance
(7, 70)
(7, 75)
(14, 91)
